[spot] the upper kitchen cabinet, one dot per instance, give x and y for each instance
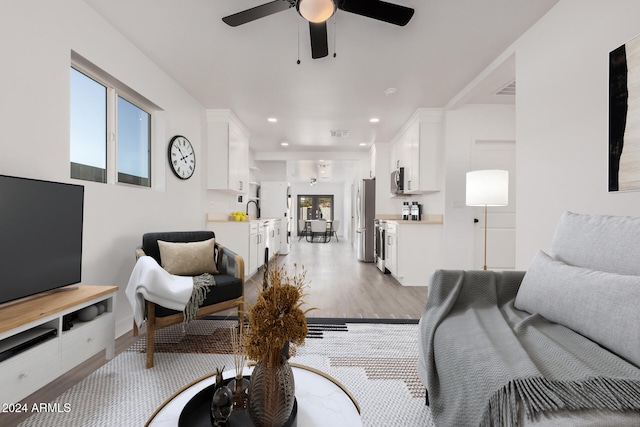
(417, 147)
(227, 152)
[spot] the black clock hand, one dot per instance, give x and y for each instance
(184, 157)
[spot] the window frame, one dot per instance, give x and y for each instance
(116, 89)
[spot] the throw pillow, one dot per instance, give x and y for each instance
(188, 259)
(599, 305)
(600, 242)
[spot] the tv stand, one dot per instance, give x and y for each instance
(38, 350)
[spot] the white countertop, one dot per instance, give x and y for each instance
(426, 219)
(225, 218)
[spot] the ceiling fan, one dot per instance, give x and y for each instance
(318, 11)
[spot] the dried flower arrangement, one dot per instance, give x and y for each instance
(276, 319)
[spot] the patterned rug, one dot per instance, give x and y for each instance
(375, 362)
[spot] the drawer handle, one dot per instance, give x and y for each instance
(23, 375)
(89, 339)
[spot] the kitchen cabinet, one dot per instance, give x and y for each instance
(391, 254)
(246, 238)
(417, 148)
(251, 263)
(414, 251)
(274, 237)
(227, 153)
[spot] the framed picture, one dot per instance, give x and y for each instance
(624, 117)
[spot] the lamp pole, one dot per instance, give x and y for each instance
(485, 238)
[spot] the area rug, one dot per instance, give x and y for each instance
(375, 362)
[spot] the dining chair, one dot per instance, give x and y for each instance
(335, 225)
(318, 229)
(303, 227)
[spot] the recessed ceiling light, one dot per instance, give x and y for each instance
(390, 91)
(362, 144)
(284, 144)
(272, 120)
(374, 120)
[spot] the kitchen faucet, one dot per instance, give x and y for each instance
(257, 207)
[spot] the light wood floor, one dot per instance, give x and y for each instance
(340, 286)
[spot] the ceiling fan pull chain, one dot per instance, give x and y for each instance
(298, 62)
(335, 35)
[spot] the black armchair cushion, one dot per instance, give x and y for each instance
(227, 287)
(150, 240)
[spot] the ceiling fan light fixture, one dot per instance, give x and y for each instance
(316, 11)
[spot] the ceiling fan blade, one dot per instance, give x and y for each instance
(377, 9)
(319, 44)
(257, 12)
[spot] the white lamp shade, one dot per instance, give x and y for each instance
(488, 188)
(316, 10)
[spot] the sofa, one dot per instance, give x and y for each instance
(183, 255)
(557, 345)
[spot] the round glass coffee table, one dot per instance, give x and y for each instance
(320, 400)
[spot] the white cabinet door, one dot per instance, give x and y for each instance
(262, 244)
(238, 162)
(253, 249)
(391, 255)
(227, 153)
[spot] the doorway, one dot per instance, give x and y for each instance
(501, 220)
(315, 207)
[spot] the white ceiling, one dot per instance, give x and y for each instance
(252, 69)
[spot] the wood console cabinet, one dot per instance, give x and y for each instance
(31, 369)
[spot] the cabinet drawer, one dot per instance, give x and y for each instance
(253, 228)
(86, 339)
(29, 371)
(392, 227)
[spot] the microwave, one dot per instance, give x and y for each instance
(397, 181)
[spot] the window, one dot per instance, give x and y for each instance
(133, 144)
(88, 128)
(110, 128)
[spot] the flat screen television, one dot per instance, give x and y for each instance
(40, 236)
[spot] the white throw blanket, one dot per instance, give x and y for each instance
(149, 281)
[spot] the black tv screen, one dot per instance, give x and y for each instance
(40, 236)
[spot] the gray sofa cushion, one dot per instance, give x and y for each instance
(598, 242)
(602, 306)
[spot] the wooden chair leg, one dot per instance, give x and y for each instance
(135, 329)
(151, 332)
(241, 318)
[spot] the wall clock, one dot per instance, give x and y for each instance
(182, 158)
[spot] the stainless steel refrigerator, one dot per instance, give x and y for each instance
(365, 214)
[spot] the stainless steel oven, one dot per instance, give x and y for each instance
(380, 244)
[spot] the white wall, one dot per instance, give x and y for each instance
(562, 117)
(37, 38)
(462, 127)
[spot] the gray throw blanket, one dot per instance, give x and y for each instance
(201, 285)
(485, 361)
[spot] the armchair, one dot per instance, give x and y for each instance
(228, 292)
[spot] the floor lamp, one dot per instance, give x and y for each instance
(487, 188)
